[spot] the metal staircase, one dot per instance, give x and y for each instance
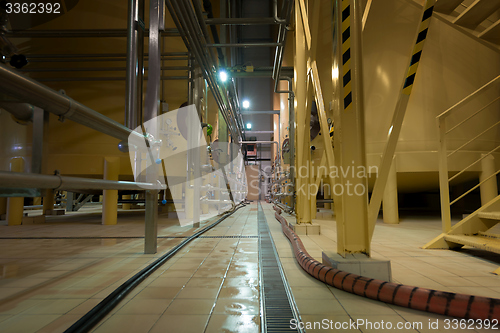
(479, 18)
(463, 156)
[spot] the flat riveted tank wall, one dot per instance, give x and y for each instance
(452, 66)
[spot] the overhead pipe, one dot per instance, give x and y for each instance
(81, 33)
(278, 59)
(33, 180)
(183, 19)
(96, 69)
(37, 94)
(231, 99)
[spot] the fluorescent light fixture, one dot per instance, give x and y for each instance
(249, 126)
(223, 76)
(246, 104)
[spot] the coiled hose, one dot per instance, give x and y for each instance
(435, 301)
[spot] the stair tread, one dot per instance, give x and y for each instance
(446, 6)
(476, 13)
(489, 215)
(492, 34)
(493, 232)
(476, 241)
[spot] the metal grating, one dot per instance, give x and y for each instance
(277, 303)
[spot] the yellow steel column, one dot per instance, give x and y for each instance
(488, 189)
(15, 205)
(390, 202)
(110, 197)
(350, 193)
(126, 206)
(3, 205)
(302, 138)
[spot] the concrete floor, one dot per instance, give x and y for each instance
(212, 284)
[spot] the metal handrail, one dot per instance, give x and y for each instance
(472, 115)
(474, 138)
(474, 163)
(470, 97)
(444, 179)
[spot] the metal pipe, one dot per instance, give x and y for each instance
(245, 45)
(97, 59)
(194, 40)
(278, 59)
(30, 91)
(81, 33)
(32, 180)
(103, 78)
(241, 21)
(100, 55)
(132, 67)
(97, 69)
(20, 111)
(251, 113)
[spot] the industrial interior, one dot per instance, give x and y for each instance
(249, 166)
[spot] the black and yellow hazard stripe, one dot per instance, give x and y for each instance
(346, 54)
(419, 45)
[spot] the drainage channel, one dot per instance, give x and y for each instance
(278, 306)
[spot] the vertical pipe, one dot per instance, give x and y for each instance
(48, 202)
(110, 197)
(151, 112)
(132, 67)
(15, 205)
(488, 189)
(390, 202)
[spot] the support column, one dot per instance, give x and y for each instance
(15, 205)
(110, 197)
(303, 207)
(390, 202)
(48, 201)
(489, 189)
(350, 192)
(126, 206)
(3, 205)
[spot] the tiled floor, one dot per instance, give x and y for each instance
(212, 284)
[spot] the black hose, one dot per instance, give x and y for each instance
(91, 318)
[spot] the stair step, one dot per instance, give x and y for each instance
(489, 215)
(478, 242)
(476, 13)
(492, 34)
(446, 6)
(493, 232)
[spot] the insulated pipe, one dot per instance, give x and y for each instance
(31, 180)
(20, 111)
(32, 92)
(434, 301)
